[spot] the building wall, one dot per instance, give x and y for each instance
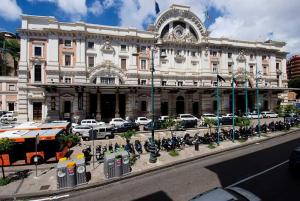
(293, 67)
(8, 93)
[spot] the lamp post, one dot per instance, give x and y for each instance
(233, 108)
(258, 77)
(218, 112)
(246, 87)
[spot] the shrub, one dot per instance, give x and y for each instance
(174, 153)
(4, 181)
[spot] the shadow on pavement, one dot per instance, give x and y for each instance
(274, 185)
(160, 195)
(19, 175)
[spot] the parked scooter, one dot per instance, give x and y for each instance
(87, 154)
(138, 146)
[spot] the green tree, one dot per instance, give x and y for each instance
(243, 122)
(210, 123)
(13, 48)
(128, 134)
(170, 123)
(5, 145)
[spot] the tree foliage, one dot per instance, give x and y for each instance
(5, 145)
(243, 121)
(128, 134)
(210, 123)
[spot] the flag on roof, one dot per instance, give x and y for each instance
(220, 78)
(157, 10)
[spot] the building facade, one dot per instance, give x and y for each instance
(8, 93)
(293, 67)
(80, 70)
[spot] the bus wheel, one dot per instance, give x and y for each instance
(37, 159)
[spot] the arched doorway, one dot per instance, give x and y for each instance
(179, 105)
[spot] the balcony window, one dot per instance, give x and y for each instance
(264, 57)
(143, 106)
(12, 88)
(143, 64)
(143, 48)
(91, 61)
(229, 68)
(251, 56)
(68, 43)
(67, 60)
(179, 83)
(277, 66)
(91, 45)
(215, 68)
(163, 83)
(38, 51)
(67, 80)
(214, 54)
(53, 103)
(123, 64)
(37, 73)
(143, 82)
(229, 55)
(265, 70)
(193, 54)
(178, 52)
(251, 69)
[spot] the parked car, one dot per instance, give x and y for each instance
(80, 129)
(2, 113)
(229, 115)
(294, 160)
(99, 132)
(267, 114)
(142, 120)
(253, 115)
(182, 117)
(8, 117)
(91, 122)
(117, 122)
(153, 126)
(208, 116)
(188, 124)
(231, 193)
(126, 127)
(163, 118)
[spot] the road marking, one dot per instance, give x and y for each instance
(258, 174)
(52, 198)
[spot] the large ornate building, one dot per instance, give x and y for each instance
(81, 70)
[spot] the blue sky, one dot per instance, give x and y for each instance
(254, 20)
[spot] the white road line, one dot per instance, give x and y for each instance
(52, 198)
(258, 174)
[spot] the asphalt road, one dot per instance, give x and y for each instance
(182, 182)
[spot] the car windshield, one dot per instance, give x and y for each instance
(186, 116)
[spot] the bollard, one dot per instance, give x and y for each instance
(196, 146)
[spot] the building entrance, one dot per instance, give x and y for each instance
(108, 106)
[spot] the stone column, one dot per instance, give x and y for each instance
(117, 114)
(98, 115)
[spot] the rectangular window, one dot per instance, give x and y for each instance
(195, 83)
(214, 54)
(264, 57)
(143, 49)
(91, 61)
(251, 56)
(215, 68)
(163, 83)
(178, 52)
(68, 43)
(143, 82)
(143, 64)
(143, 106)
(230, 68)
(53, 103)
(193, 54)
(277, 66)
(265, 70)
(67, 60)
(91, 45)
(37, 51)
(123, 48)
(37, 73)
(179, 83)
(11, 87)
(123, 64)
(229, 55)
(68, 80)
(251, 69)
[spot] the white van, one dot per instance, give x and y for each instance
(91, 122)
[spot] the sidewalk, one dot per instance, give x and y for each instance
(46, 181)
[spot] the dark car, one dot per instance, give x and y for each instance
(188, 124)
(126, 127)
(226, 120)
(157, 125)
(294, 162)
(232, 193)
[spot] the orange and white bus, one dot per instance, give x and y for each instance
(50, 147)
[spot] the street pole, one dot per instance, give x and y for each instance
(36, 158)
(246, 90)
(233, 109)
(218, 112)
(153, 157)
(257, 102)
(93, 147)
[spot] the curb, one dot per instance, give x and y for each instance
(133, 175)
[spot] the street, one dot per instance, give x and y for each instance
(182, 182)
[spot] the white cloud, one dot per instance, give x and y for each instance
(96, 8)
(76, 9)
(9, 10)
(109, 3)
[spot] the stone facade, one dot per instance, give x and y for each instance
(8, 93)
(69, 70)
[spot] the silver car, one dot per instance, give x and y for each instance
(100, 132)
(81, 129)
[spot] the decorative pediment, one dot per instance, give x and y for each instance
(108, 48)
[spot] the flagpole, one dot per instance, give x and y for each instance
(218, 111)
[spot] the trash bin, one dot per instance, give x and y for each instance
(61, 174)
(118, 166)
(125, 162)
(80, 171)
(196, 146)
(71, 174)
(109, 165)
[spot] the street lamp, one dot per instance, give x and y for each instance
(153, 157)
(233, 107)
(258, 78)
